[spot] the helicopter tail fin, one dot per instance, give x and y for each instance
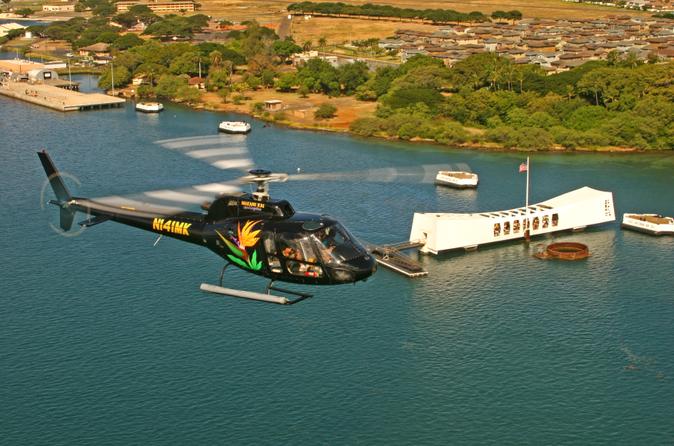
(60, 190)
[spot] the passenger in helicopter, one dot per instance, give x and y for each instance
(291, 253)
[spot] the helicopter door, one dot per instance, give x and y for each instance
(299, 255)
(272, 254)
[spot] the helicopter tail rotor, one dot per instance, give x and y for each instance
(60, 189)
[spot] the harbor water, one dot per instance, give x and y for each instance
(106, 339)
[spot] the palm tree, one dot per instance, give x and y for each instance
(494, 74)
(306, 46)
(216, 58)
(509, 73)
(322, 42)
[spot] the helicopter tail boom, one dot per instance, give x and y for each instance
(60, 190)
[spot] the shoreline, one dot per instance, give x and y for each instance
(209, 102)
(488, 147)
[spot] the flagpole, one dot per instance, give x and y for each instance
(526, 202)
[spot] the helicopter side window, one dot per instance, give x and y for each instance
(272, 257)
(304, 269)
(299, 254)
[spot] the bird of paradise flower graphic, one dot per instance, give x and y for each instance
(247, 237)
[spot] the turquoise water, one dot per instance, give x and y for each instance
(106, 339)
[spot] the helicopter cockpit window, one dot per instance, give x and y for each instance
(336, 245)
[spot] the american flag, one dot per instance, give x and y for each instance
(523, 167)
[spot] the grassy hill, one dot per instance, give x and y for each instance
(273, 10)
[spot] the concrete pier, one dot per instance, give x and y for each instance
(58, 98)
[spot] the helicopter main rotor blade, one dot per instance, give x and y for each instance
(220, 151)
(412, 174)
(174, 199)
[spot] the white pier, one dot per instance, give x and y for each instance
(58, 98)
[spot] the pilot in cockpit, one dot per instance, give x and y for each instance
(326, 238)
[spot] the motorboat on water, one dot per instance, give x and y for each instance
(653, 224)
(234, 127)
(149, 107)
(457, 179)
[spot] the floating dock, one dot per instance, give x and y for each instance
(58, 98)
(391, 257)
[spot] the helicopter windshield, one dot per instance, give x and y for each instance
(336, 245)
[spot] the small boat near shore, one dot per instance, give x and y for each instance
(149, 107)
(653, 224)
(457, 179)
(235, 127)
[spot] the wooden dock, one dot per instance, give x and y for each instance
(58, 98)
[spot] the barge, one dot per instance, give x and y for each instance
(457, 179)
(653, 224)
(234, 127)
(149, 107)
(573, 210)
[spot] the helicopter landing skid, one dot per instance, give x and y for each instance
(264, 297)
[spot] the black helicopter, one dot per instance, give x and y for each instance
(252, 231)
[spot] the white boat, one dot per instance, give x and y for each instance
(573, 210)
(149, 107)
(234, 127)
(653, 224)
(457, 179)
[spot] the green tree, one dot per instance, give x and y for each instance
(319, 76)
(253, 82)
(24, 12)
(151, 71)
(59, 32)
(286, 82)
(592, 84)
(325, 111)
(218, 79)
(285, 48)
(587, 117)
(405, 97)
(267, 78)
(366, 126)
(127, 41)
(145, 91)
(224, 93)
(186, 63)
(187, 94)
(168, 85)
(216, 59)
(107, 37)
(378, 84)
(122, 77)
(352, 76)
